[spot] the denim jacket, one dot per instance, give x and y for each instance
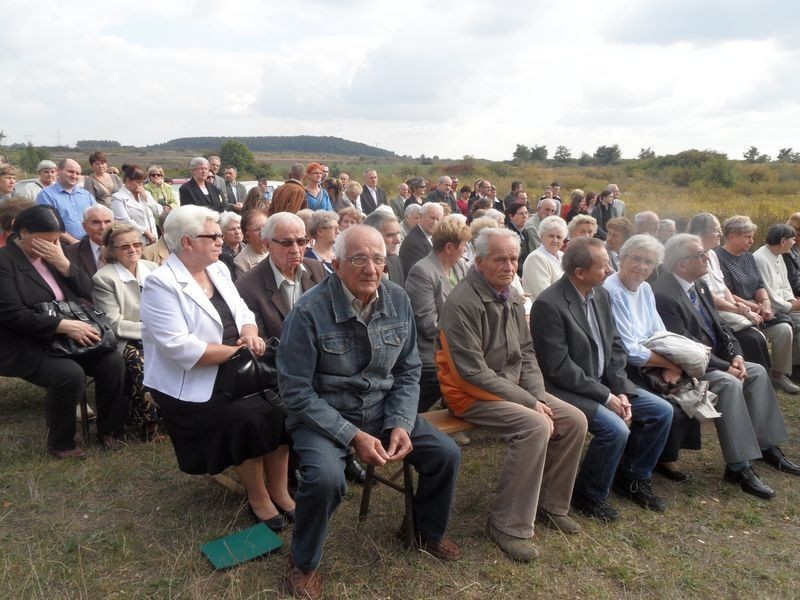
(338, 373)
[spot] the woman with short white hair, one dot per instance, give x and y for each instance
(542, 268)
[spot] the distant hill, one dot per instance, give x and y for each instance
(273, 143)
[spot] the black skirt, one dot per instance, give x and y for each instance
(211, 436)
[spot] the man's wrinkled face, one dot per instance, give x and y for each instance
(287, 257)
(429, 221)
(371, 179)
(365, 244)
(214, 164)
(499, 266)
(96, 224)
(230, 175)
(391, 232)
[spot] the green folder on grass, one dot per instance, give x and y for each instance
(242, 546)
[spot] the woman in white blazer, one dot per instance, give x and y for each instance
(118, 292)
(133, 204)
(542, 268)
(193, 321)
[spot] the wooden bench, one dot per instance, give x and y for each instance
(444, 422)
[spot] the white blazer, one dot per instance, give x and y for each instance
(142, 215)
(118, 294)
(179, 322)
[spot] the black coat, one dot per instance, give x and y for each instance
(190, 193)
(368, 204)
(414, 248)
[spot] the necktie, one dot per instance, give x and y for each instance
(100, 261)
(709, 323)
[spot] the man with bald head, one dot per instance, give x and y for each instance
(87, 253)
(69, 199)
(442, 193)
(398, 203)
(547, 208)
(349, 374)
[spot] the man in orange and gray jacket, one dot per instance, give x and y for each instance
(489, 376)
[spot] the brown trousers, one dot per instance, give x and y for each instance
(538, 470)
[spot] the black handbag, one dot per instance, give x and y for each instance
(244, 375)
(62, 345)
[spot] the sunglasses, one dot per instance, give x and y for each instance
(288, 243)
(155, 174)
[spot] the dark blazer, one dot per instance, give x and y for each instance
(680, 316)
(368, 204)
(394, 269)
(437, 196)
(241, 192)
(258, 290)
(567, 352)
(414, 248)
(792, 261)
(190, 193)
(81, 255)
(24, 334)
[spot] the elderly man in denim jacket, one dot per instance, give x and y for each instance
(349, 374)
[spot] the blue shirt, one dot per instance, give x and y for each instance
(338, 373)
(319, 202)
(70, 205)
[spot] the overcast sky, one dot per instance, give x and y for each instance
(443, 78)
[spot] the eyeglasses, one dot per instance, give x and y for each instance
(126, 247)
(288, 243)
(336, 227)
(359, 260)
(155, 174)
(701, 254)
(210, 236)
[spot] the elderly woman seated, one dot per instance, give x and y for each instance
(747, 286)
(542, 268)
(323, 228)
(350, 216)
(254, 250)
(117, 292)
(634, 308)
(194, 321)
(582, 226)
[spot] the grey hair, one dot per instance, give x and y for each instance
(90, 209)
(197, 161)
(675, 249)
(186, 221)
(640, 217)
(278, 219)
(644, 242)
(378, 217)
(702, 223)
(663, 222)
(370, 170)
(321, 219)
(738, 224)
(553, 222)
(429, 206)
(340, 245)
(494, 214)
(580, 220)
(297, 171)
(228, 217)
(353, 186)
(412, 209)
(444, 178)
(484, 238)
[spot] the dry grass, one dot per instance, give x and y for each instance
(130, 525)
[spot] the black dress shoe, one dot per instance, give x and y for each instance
(353, 470)
(288, 515)
(276, 523)
(672, 474)
(749, 482)
(775, 458)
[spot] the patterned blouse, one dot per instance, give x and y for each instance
(741, 273)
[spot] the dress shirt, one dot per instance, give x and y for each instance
(290, 288)
(70, 205)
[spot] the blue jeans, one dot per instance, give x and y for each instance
(635, 450)
(322, 486)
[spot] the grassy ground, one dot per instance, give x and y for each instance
(130, 525)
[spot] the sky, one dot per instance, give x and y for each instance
(445, 78)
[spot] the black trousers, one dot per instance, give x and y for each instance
(65, 380)
(429, 391)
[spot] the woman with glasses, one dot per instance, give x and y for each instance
(133, 204)
(118, 292)
(418, 189)
(232, 242)
(316, 195)
(323, 230)
(161, 191)
(194, 320)
(747, 286)
(200, 189)
(254, 250)
(101, 183)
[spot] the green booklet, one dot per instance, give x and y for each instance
(242, 546)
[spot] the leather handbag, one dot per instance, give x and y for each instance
(244, 375)
(62, 345)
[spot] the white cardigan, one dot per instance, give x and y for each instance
(142, 215)
(179, 322)
(540, 270)
(776, 279)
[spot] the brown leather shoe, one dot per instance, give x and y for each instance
(444, 549)
(76, 452)
(301, 584)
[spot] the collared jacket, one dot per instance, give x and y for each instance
(484, 350)
(337, 373)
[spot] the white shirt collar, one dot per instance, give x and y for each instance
(280, 277)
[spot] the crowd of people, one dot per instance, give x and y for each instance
(535, 319)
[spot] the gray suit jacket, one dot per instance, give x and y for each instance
(241, 192)
(567, 351)
(428, 286)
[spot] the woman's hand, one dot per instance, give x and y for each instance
(81, 332)
(51, 253)
(151, 237)
(252, 341)
(671, 376)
